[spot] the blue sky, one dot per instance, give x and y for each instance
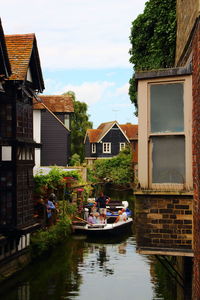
(83, 47)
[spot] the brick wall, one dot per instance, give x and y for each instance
(164, 222)
(187, 12)
(196, 158)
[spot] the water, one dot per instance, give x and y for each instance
(85, 269)
(82, 269)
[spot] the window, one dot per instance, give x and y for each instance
(167, 117)
(66, 121)
(93, 148)
(106, 147)
(122, 146)
(6, 153)
(165, 132)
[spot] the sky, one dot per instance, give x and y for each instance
(83, 47)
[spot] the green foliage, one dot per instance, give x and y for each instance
(117, 170)
(53, 180)
(153, 39)
(42, 241)
(79, 125)
(75, 160)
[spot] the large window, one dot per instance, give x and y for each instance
(106, 147)
(165, 130)
(167, 137)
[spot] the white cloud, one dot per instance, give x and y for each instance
(89, 92)
(75, 33)
(123, 90)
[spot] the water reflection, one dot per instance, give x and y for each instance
(84, 269)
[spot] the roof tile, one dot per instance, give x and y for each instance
(56, 103)
(19, 47)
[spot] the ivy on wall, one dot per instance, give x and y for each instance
(153, 39)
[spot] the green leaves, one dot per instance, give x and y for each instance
(153, 39)
(117, 170)
(79, 125)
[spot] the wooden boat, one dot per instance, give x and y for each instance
(108, 229)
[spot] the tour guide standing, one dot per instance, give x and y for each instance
(101, 202)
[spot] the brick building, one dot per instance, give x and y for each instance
(169, 149)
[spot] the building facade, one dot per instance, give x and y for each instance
(109, 139)
(169, 147)
(53, 137)
(17, 148)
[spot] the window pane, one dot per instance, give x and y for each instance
(168, 157)
(167, 107)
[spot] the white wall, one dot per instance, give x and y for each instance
(37, 135)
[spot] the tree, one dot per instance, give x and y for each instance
(79, 125)
(153, 39)
(117, 170)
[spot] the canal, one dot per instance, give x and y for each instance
(93, 269)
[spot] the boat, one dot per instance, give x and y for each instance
(114, 206)
(96, 230)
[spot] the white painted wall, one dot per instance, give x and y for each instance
(37, 136)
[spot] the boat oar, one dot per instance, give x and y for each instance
(82, 220)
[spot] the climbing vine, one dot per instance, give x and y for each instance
(153, 39)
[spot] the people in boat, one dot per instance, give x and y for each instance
(91, 219)
(101, 202)
(120, 217)
(124, 214)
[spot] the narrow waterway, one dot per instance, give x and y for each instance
(88, 269)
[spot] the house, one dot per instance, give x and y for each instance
(17, 147)
(169, 149)
(53, 135)
(109, 139)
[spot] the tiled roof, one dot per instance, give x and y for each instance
(5, 68)
(130, 130)
(19, 47)
(56, 103)
(93, 135)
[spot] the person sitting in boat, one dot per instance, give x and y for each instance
(96, 217)
(91, 219)
(119, 218)
(124, 214)
(101, 202)
(101, 219)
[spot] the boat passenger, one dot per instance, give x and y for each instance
(91, 219)
(101, 202)
(102, 219)
(119, 218)
(96, 217)
(124, 214)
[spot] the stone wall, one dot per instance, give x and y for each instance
(164, 223)
(196, 158)
(187, 13)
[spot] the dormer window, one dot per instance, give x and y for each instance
(93, 148)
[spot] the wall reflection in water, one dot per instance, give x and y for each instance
(80, 269)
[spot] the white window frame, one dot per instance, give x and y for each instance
(106, 147)
(122, 146)
(94, 148)
(145, 146)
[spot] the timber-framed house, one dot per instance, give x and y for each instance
(16, 143)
